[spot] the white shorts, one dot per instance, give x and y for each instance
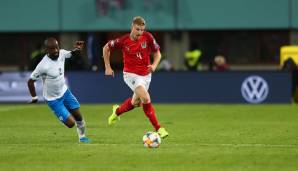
(134, 80)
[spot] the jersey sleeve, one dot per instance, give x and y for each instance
(38, 71)
(154, 46)
(115, 44)
(65, 53)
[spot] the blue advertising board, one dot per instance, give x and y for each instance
(166, 87)
(13, 87)
(188, 87)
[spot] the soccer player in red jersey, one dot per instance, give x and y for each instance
(136, 48)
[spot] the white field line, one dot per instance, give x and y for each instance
(13, 108)
(219, 145)
(140, 144)
(254, 145)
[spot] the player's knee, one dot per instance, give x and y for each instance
(70, 124)
(146, 100)
(136, 103)
(139, 104)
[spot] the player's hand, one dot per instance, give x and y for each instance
(109, 72)
(79, 45)
(151, 68)
(33, 100)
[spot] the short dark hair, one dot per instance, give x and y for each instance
(49, 39)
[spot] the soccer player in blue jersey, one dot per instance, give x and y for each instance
(58, 97)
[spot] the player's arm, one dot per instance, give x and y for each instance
(32, 91)
(35, 75)
(156, 60)
(78, 46)
(156, 52)
(106, 57)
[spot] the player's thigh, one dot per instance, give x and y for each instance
(70, 101)
(130, 80)
(60, 110)
(133, 81)
(143, 81)
(147, 81)
(136, 101)
(142, 92)
(135, 97)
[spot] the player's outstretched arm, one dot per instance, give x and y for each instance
(106, 57)
(156, 60)
(78, 46)
(32, 91)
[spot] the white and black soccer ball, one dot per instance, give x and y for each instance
(151, 140)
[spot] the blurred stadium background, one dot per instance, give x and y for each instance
(248, 34)
(214, 51)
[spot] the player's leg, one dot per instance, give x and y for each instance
(73, 106)
(147, 106)
(70, 122)
(119, 110)
(149, 110)
(141, 90)
(136, 101)
(81, 125)
(127, 105)
(61, 112)
(113, 118)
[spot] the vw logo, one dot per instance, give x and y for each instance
(254, 89)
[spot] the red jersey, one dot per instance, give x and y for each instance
(136, 53)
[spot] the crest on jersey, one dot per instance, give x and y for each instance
(144, 45)
(36, 75)
(60, 71)
(112, 43)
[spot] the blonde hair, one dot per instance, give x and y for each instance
(138, 20)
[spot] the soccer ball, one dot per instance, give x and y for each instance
(151, 140)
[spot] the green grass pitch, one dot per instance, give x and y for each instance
(202, 137)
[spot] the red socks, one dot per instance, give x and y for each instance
(150, 113)
(125, 107)
(148, 109)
